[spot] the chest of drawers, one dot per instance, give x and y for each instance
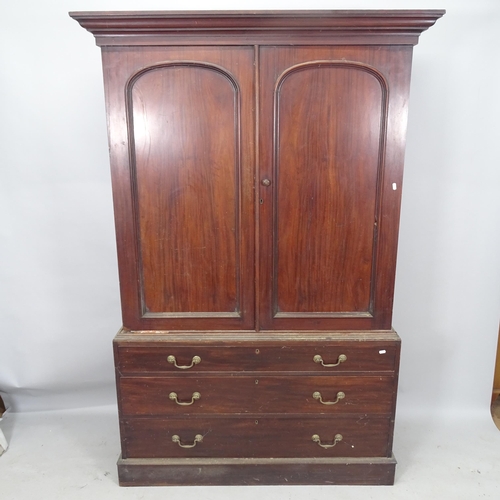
(276, 399)
(257, 162)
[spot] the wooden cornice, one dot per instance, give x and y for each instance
(236, 27)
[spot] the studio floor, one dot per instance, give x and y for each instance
(71, 454)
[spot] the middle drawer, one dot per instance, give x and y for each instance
(268, 394)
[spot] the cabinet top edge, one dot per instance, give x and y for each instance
(227, 23)
(243, 337)
(264, 13)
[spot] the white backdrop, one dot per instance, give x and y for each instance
(59, 299)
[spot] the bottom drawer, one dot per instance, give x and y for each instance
(264, 437)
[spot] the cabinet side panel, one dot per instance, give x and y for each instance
(186, 173)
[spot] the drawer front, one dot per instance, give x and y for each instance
(191, 395)
(263, 437)
(347, 356)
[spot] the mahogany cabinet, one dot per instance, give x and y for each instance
(257, 162)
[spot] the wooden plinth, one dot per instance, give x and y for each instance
(255, 471)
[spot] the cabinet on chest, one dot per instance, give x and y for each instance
(257, 163)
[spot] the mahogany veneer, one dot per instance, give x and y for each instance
(257, 162)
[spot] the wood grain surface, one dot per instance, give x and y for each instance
(289, 356)
(142, 396)
(255, 437)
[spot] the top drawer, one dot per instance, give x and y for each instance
(328, 358)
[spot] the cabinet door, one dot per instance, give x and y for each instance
(332, 123)
(182, 134)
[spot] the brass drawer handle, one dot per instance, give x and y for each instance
(337, 439)
(317, 396)
(197, 439)
(194, 397)
(319, 359)
(195, 361)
